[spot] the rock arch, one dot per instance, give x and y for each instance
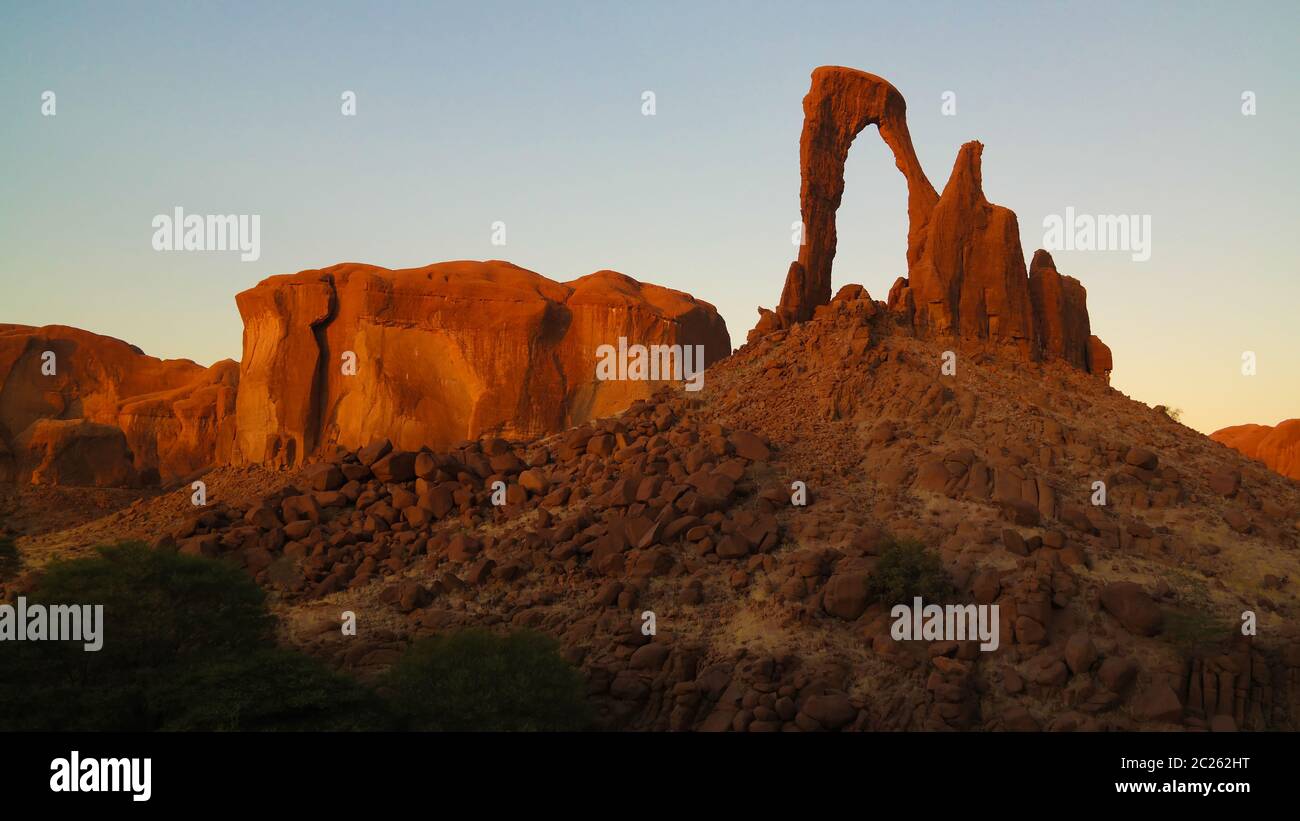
(839, 105)
(966, 276)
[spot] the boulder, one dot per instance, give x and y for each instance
(1133, 608)
(74, 452)
(1158, 702)
(1141, 458)
(846, 595)
(398, 466)
(831, 710)
(1080, 653)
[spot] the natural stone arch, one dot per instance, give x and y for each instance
(838, 106)
(966, 278)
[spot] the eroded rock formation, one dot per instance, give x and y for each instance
(840, 104)
(1061, 313)
(173, 416)
(76, 452)
(1276, 446)
(1099, 361)
(443, 353)
(969, 280)
(966, 270)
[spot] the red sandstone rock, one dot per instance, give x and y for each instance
(840, 103)
(1099, 361)
(75, 452)
(1133, 607)
(1277, 447)
(694, 496)
(1060, 311)
(176, 416)
(443, 353)
(966, 270)
(970, 280)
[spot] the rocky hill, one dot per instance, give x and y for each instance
(1121, 615)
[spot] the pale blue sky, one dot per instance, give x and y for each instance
(531, 114)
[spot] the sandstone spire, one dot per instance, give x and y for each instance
(970, 278)
(1061, 311)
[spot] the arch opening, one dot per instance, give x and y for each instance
(871, 224)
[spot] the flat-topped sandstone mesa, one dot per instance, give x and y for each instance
(966, 270)
(443, 353)
(80, 408)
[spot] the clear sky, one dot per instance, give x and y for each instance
(531, 114)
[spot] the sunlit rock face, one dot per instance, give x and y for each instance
(436, 355)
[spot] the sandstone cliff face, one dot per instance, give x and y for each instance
(966, 270)
(1277, 447)
(76, 452)
(174, 416)
(442, 354)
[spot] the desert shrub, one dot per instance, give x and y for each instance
(187, 644)
(267, 689)
(476, 680)
(1192, 629)
(906, 570)
(158, 605)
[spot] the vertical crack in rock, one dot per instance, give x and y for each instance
(318, 403)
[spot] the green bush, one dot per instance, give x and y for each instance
(476, 680)
(1195, 630)
(187, 644)
(906, 570)
(158, 604)
(267, 689)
